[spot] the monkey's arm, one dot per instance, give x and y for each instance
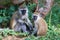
(13, 20)
(35, 29)
(12, 24)
(28, 22)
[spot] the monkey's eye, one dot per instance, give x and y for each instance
(34, 17)
(23, 12)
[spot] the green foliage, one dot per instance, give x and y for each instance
(31, 8)
(55, 16)
(5, 15)
(5, 32)
(52, 34)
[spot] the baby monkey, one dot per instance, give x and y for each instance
(20, 20)
(40, 25)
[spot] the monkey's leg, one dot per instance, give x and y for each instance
(23, 27)
(17, 28)
(35, 29)
(34, 32)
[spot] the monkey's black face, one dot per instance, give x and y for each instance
(34, 17)
(23, 12)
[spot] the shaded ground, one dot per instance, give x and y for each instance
(13, 38)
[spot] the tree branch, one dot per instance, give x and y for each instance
(44, 11)
(35, 1)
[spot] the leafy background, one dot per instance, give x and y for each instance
(52, 19)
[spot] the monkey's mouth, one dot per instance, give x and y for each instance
(34, 17)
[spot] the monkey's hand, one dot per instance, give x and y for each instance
(34, 32)
(29, 24)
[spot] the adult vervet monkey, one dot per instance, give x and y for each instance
(21, 16)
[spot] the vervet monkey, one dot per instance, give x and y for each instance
(40, 25)
(21, 16)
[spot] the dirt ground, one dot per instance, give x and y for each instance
(13, 38)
